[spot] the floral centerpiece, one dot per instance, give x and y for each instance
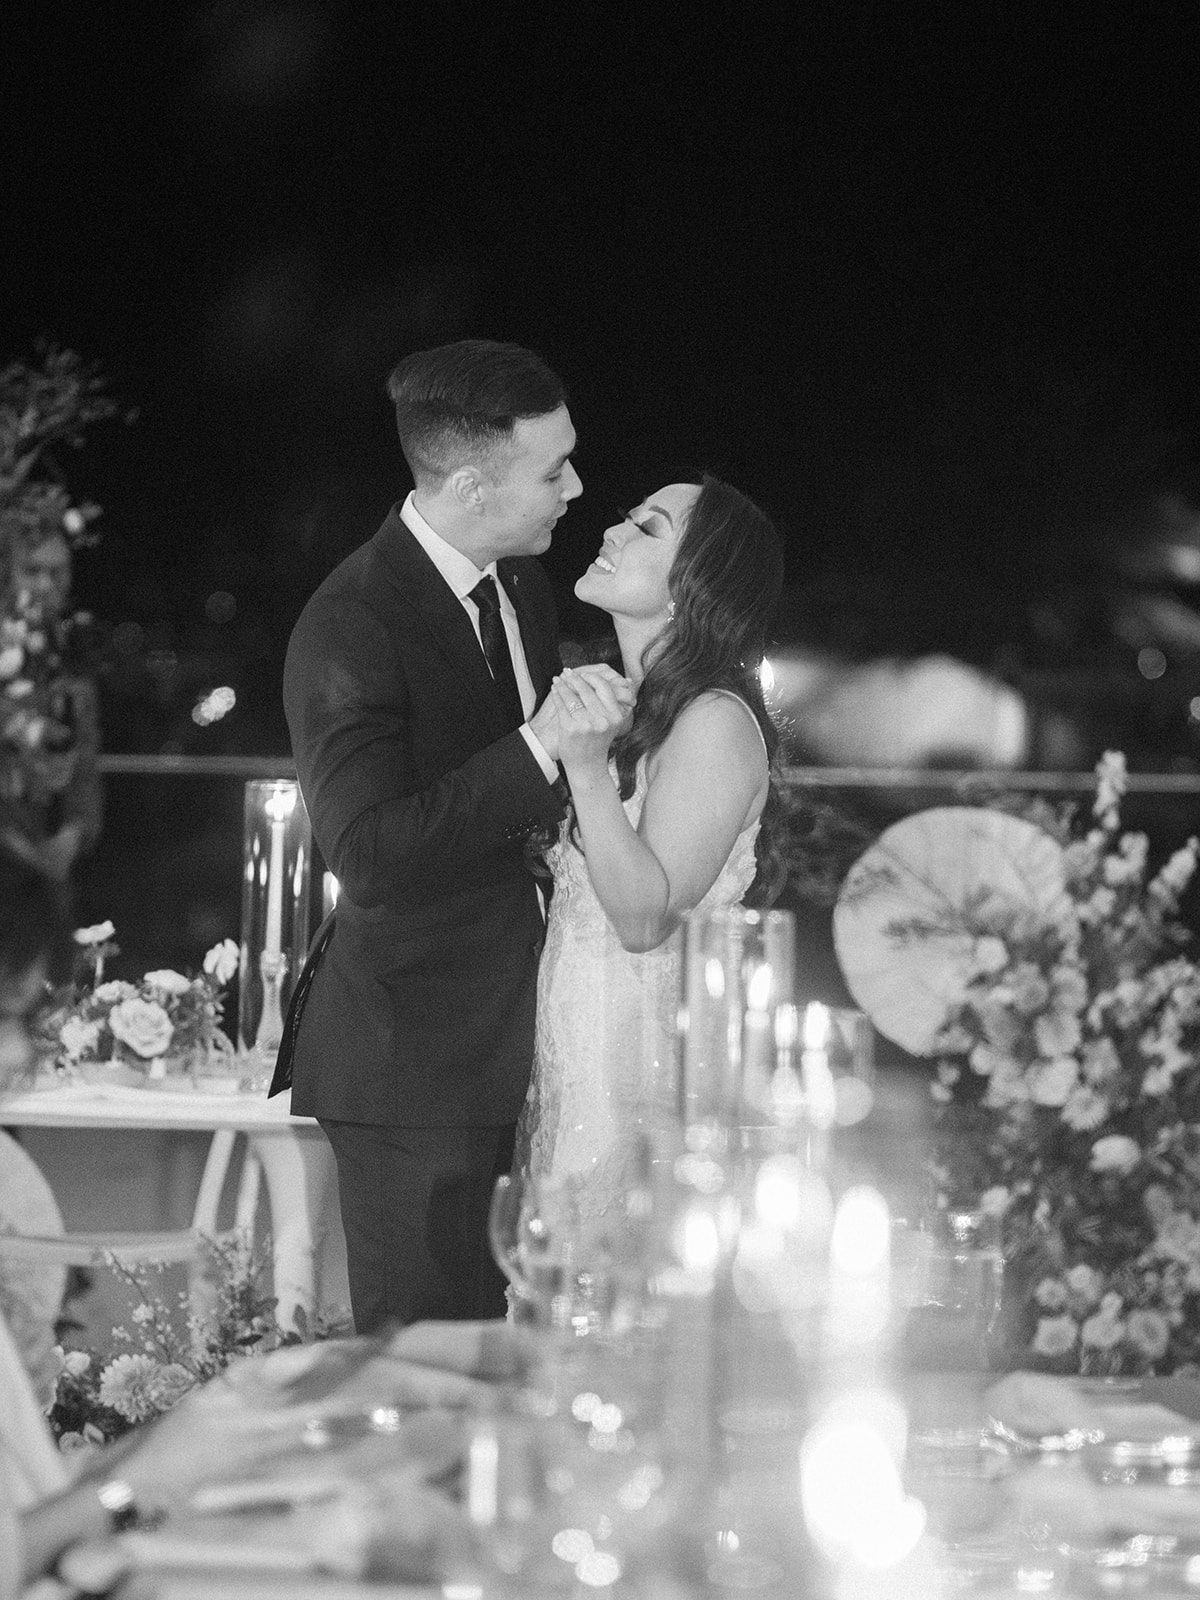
(167, 1025)
(172, 1347)
(1065, 1025)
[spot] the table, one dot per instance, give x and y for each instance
(297, 1165)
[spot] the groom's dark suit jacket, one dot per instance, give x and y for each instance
(420, 1009)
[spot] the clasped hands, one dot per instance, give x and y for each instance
(586, 709)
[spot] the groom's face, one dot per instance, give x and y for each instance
(535, 487)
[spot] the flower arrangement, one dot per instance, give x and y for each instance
(1045, 968)
(143, 1032)
(172, 1347)
(1067, 1100)
(42, 407)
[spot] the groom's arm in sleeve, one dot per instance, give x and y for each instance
(357, 720)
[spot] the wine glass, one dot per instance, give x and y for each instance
(531, 1231)
(955, 1288)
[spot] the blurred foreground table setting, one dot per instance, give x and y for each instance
(777, 1367)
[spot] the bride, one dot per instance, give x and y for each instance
(670, 811)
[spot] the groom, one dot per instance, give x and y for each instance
(413, 689)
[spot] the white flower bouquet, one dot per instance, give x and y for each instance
(172, 1348)
(1067, 1089)
(157, 1032)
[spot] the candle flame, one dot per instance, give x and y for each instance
(850, 1483)
(758, 990)
(862, 1232)
(787, 1026)
(281, 802)
(818, 1025)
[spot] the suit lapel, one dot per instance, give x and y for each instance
(431, 606)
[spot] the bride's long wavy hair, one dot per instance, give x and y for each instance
(725, 583)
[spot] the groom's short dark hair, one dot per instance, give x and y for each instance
(460, 403)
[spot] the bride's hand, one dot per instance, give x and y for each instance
(589, 717)
(597, 673)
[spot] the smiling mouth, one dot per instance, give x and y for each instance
(604, 564)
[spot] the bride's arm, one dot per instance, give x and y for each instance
(702, 787)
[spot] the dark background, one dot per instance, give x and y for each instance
(921, 278)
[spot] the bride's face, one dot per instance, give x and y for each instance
(629, 576)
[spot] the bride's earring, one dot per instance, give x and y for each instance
(670, 611)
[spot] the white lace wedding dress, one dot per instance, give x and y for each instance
(604, 1063)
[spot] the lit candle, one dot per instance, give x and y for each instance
(758, 1059)
(329, 894)
(819, 1091)
(279, 807)
(860, 1269)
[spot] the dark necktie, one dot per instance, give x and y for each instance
(495, 648)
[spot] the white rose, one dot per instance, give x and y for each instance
(1148, 1330)
(1157, 1081)
(1055, 1336)
(11, 660)
(167, 982)
(73, 520)
(115, 989)
(1115, 1153)
(1057, 1033)
(1103, 1332)
(1086, 1282)
(96, 934)
(1051, 1085)
(221, 962)
(143, 1025)
(1050, 1294)
(78, 1037)
(989, 954)
(995, 1200)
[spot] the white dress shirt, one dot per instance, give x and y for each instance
(461, 574)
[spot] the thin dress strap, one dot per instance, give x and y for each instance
(746, 708)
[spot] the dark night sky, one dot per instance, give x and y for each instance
(922, 278)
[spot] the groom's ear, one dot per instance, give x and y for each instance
(466, 488)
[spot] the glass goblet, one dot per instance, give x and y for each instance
(531, 1235)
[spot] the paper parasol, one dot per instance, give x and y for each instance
(937, 875)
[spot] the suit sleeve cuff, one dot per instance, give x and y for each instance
(549, 768)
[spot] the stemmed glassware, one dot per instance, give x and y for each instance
(532, 1231)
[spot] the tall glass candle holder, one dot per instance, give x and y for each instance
(737, 1019)
(276, 863)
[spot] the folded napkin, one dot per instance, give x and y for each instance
(442, 1364)
(1037, 1407)
(482, 1349)
(394, 1528)
(1086, 1514)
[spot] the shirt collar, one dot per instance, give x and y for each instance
(459, 571)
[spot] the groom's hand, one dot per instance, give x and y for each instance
(544, 725)
(609, 686)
